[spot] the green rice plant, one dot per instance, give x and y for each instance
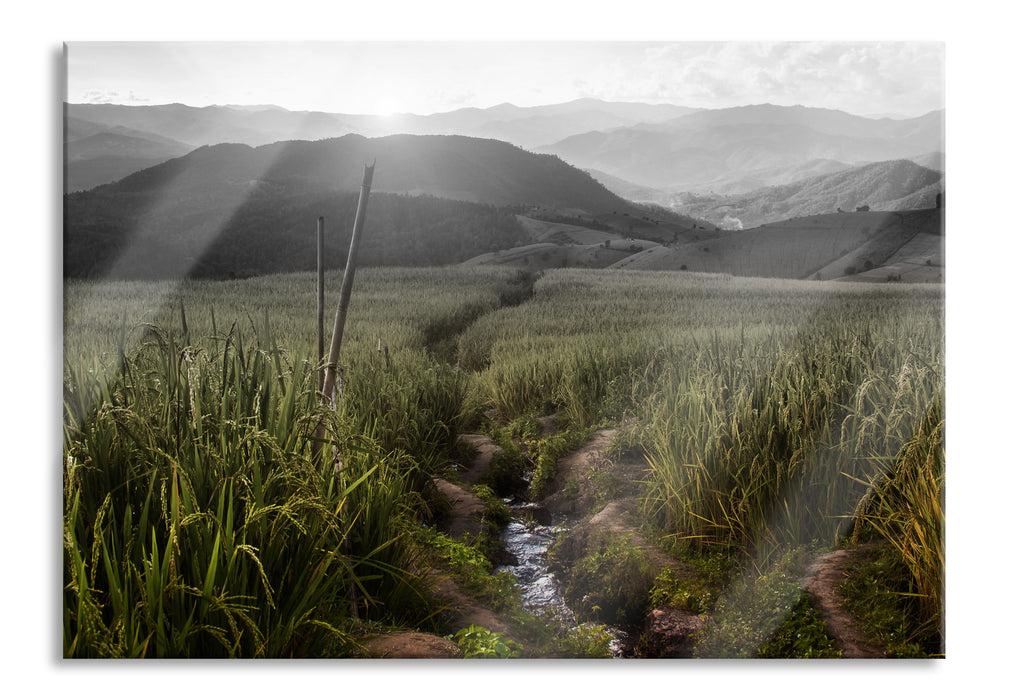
(769, 412)
(413, 406)
(196, 523)
(906, 509)
(750, 456)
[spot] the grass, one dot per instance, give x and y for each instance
(197, 520)
(774, 416)
(196, 523)
(907, 512)
(877, 594)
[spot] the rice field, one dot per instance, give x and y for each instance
(198, 521)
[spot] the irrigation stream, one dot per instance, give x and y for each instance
(527, 537)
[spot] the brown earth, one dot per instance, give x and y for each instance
(465, 522)
(821, 581)
(484, 449)
(411, 645)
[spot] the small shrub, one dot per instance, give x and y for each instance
(506, 471)
(802, 636)
(480, 643)
(471, 568)
(747, 615)
(672, 591)
(611, 583)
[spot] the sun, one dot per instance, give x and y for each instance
(387, 106)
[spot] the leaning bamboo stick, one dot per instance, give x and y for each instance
(345, 289)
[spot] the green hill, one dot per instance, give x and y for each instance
(234, 209)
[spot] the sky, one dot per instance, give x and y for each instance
(423, 77)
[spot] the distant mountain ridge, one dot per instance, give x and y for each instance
(258, 125)
(262, 124)
(715, 150)
(99, 153)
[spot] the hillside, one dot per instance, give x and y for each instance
(453, 167)
(235, 209)
(888, 186)
(107, 156)
(96, 154)
(887, 246)
(722, 150)
(878, 246)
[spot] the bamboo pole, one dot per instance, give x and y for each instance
(345, 288)
(332, 366)
(321, 271)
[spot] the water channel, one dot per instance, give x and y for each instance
(528, 541)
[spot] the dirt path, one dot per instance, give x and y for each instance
(821, 581)
(485, 448)
(466, 510)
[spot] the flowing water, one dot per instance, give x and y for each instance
(528, 541)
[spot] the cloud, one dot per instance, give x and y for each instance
(857, 77)
(111, 97)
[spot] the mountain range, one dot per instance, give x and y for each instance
(743, 148)
(174, 190)
(258, 125)
(640, 151)
(95, 153)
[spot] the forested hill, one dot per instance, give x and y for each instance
(232, 209)
(454, 167)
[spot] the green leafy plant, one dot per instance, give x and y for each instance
(610, 582)
(802, 635)
(480, 643)
(471, 567)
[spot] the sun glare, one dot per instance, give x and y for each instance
(387, 106)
